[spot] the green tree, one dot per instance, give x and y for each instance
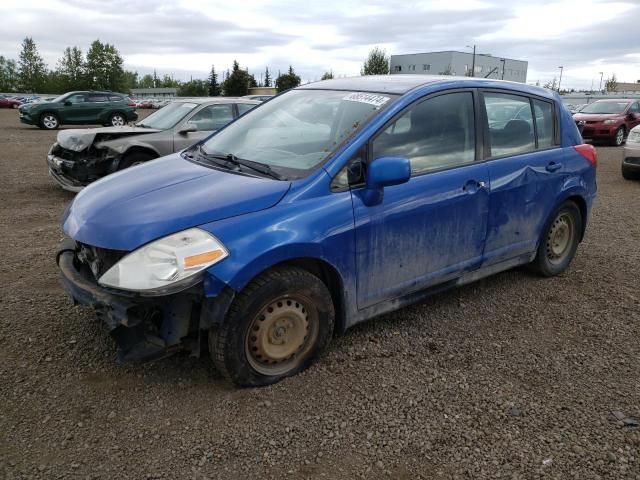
(377, 63)
(287, 80)
(551, 84)
(104, 67)
(146, 81)
(237, 83)
(448, 71)
(129, 80)
(71, 70)
(9, 77)
(327, 75)
(31, 67)
(214, 86)
(252, 81)
(611, 83)
(194, 88)
(267, 77)
(168, 82)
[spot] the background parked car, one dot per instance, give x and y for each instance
(81, 156)
(260, 98)
(9, 102)
(80, 108)
(631, 159)
(609, 120)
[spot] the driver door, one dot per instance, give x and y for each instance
(77, 111)
(206, 121)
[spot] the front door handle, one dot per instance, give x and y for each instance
(553, 167)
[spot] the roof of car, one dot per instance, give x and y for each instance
(201, 100)
(402, 83)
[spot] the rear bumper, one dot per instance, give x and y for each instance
(143, 328)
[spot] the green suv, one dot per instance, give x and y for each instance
(80, 108)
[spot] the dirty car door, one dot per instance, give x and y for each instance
(206, 120)
(433, 227)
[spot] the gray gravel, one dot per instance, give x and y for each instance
(513, 377)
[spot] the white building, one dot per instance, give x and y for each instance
(460, 63)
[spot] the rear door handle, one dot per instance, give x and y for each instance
(553, 167)
(472, 186)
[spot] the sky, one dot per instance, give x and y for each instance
(184, 38)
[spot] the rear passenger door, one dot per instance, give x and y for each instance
(526, 171)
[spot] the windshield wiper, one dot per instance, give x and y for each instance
(242, 162)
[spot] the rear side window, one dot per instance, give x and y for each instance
(95, 97)
(436, 133)
(116, 98)
(510, 124)
(544, 123)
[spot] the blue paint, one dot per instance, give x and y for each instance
(441, 226)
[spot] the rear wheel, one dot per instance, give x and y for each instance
(618, 137)
(560, 241)
(117, 120)
(49, 121)
(275, 328)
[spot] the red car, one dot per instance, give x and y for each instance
(610, 120)
(6, 102)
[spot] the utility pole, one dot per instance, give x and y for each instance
(560, 81)
(601, 74)
(502, 60)
(473, 61)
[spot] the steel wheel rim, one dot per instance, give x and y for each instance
(281, 335)
(560, 238)
(117, 121)
(50, 121)
(619, 136)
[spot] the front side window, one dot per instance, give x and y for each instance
(76, 98)
(245, 107)
(169, 116)
(213, 117)
(510, 124)
(297, 130)
(635, 108)
(436, 133)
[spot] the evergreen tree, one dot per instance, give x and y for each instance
(31, 67)
(71, 70)
(611, 83)
(287, 80)
(237, 83)
(214, 86)
(377, 63)
(327, 75)
(104, 67)
(194, 88)
(9, 77)
(267, 78)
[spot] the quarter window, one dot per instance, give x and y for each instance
(436, 133)
(244, 107)
(544, 123)
(510, 124)
(94, 97)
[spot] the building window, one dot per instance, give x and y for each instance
(426, 66)
(398, 68)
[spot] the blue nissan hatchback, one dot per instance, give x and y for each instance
(328, 205)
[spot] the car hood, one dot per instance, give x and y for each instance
(135, 206)
(594, 117)
(80, 139)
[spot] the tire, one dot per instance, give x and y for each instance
(629, 174)
(276, 327)
(560, 241)
(135, 158)
(618, 138)
(15, 106)
(117, 120)
(49, 121)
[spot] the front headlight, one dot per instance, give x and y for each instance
(610, 122)
(169, 263)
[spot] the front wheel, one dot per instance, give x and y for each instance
(276, 327)
(49, 121)
(629, 174)
(560, 241)
(618, 137)
(117, 120)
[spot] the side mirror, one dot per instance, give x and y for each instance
(188, 127)
(385, 172)
(67, 103)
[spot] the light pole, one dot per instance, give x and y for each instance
(601, 74)
(473, 61)
(502, 60)
(560, 81)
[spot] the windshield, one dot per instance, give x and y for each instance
(605, 107)
(296, 131)
(167, 117)
(60, 98)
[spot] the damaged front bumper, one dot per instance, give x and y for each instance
(143, 328)
(75, 170)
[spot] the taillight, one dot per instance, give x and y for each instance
(588, 152)
(131, 104)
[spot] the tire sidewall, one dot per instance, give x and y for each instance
(615, 138)
(305, 286)
(136, 157)
(117, 114)
(544, 265)
(42, 125)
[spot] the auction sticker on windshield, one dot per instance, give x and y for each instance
(370, 98)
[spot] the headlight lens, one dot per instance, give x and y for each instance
(167, 262)
(610, 122)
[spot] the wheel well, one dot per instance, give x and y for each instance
(134, 150)
(332, 280)
(582, 205)
(51, 113)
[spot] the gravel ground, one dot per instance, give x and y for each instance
(511, 377)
